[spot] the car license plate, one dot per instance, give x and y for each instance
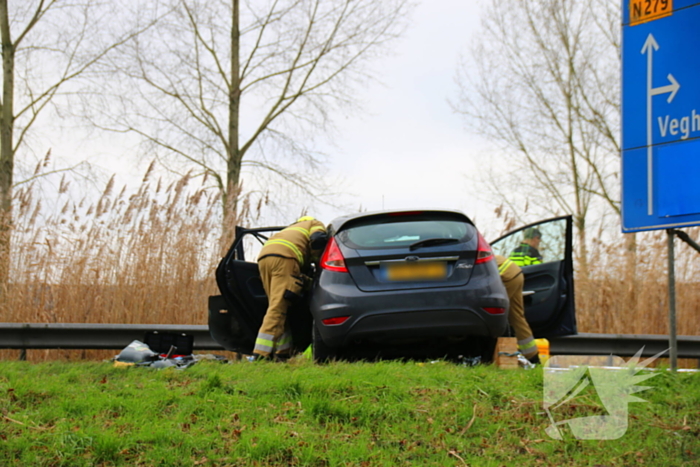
(416, 271)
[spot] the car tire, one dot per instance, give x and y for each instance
(488, 345)
(321, 352)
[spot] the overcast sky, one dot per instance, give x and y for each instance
(407, 149)
(410, 149)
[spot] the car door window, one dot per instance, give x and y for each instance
(548, 287)
(252, 246)
(249, 242)
(552, 246)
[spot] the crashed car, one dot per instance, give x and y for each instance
(406, 284)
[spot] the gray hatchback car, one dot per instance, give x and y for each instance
(419, 284)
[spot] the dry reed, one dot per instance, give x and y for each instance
(623, 299)
(149, 257)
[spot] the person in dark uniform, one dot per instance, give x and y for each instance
(527, 253)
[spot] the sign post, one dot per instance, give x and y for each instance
(672, 338)
(661, 123)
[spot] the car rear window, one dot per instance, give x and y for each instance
(403, 233)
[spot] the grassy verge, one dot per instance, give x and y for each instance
(358, 414)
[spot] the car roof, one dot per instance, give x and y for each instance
(339, 222)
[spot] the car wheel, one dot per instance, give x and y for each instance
(321, 352)
(488, 345)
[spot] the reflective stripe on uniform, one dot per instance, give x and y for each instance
(300, 229)
(523, 255)
(528, 350)
(527, 343)
(288, 244)
(317, 227)
(285, 342)
(264, 343)
(504, 266)
(522, 260)
(262, 346)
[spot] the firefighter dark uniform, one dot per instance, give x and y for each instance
(281, 262)
(525, 255)
(512, 277)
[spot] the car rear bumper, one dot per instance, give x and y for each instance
(420, 313)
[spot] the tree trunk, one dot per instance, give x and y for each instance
(6, 142)
(580, 225)
(233, 163)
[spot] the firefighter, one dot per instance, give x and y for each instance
(527, 253)
(512, 277)
(282, 262)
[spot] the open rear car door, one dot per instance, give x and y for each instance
(550, 307)
(236, 315)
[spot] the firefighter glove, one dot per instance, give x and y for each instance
(303, 281)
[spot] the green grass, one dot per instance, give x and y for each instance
(361, 414)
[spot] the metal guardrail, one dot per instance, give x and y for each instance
(93, 336)
(117, 336)
(623, 345)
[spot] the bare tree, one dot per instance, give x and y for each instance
(231, 87)
(542, 83)
(46, 46)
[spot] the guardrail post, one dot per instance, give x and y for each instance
(23, 355)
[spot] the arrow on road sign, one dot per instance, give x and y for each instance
(672, 88)
(650, 45)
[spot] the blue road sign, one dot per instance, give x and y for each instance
(660, 114)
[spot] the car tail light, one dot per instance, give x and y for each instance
(335, 321)
(494, 310)
(483, 250)
(332, 258)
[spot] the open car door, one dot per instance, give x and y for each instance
(236, 315)
(550, 307)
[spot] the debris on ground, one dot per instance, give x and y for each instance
(140, 354)
(469, 361)
(524, 362)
